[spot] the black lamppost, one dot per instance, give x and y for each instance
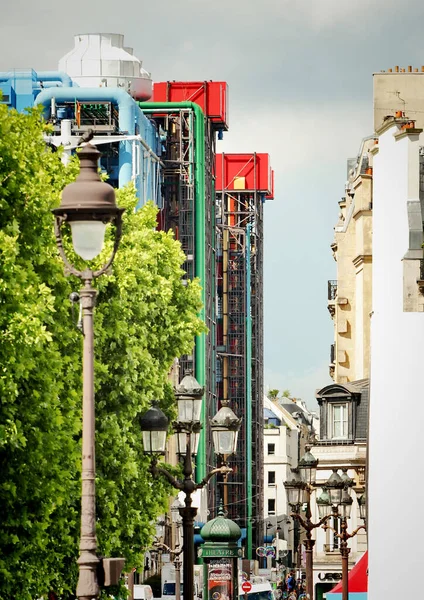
(343, 509)
(154, 426)
(299, 491)
(88, 205)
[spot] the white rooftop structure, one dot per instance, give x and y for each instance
(102, 60)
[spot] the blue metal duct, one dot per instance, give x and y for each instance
(40, 76)
(129, 114)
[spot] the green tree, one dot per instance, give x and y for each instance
(273, 394)
(145, 317)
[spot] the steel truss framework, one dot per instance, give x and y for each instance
(238, 210)
(178, 211)
(179, 214)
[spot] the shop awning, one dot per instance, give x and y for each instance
(358, 582)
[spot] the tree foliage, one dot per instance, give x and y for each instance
(144, 318)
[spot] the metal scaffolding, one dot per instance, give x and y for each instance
(179, 214)
(239, 286)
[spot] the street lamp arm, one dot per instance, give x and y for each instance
(344, 535)
(308, 525)
(155, 471)
(354, 532)
(224, 470)
(168, 549)
(118, 235)
(69, 268)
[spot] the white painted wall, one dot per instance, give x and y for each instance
(285, 439)
(397, 378)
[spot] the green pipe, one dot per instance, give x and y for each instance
(199, 253)
(248, 398)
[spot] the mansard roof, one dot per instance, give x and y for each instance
(343, 390)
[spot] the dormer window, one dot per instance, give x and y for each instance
(343, 412)
(339, 421)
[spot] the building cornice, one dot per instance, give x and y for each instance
(390, 122)
(409, 132)
(363, 212)
(361, 177)
(361, 259)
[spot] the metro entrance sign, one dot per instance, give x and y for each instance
(246, 586)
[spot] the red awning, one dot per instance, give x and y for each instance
(358, 577)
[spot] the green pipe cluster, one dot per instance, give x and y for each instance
(199, 254)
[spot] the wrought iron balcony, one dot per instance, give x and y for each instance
(332, 290)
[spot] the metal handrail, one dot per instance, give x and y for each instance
(332, 289)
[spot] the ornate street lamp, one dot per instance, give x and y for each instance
(295, 489)
(189, 395)
(362, 503)
(88, 205)
(180, 436)
(225, 426)
(154, 426)
(345, 506)
(308, 467)
(325, 508)
(335, 485)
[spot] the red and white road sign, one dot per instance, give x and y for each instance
(246, 586)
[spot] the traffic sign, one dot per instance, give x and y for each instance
(246, 586)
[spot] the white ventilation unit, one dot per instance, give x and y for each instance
(101, 60)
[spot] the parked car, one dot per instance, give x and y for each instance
(143, 592)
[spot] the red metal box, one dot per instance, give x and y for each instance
(211, 96)
(250, 172)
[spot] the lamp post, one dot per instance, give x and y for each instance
(224, 428)
(299, 491)
(174, 555)
(343, 512)
(88, 205)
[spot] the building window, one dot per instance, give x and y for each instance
(271, 477)
(333, 542)
(339, 421)
(271, 448)
(271, 506)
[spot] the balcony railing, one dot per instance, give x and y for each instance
(332, 290)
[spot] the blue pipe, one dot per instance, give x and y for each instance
(41, 76)
(55, 76)
(127, 110)
(49, 84)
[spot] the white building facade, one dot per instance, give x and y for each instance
(397, 333)
(280, 456)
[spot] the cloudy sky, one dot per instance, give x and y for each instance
(300, 77)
